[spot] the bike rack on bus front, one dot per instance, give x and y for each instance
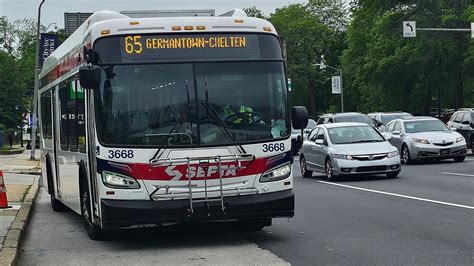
(204, 160)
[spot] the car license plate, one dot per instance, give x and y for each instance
(444, 152)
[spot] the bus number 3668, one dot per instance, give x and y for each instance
(271, 147)
(117, 154)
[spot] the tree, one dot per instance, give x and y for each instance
(309, 31)
(254, 12)
(383, 69)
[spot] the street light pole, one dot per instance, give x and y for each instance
(35, 90)
(323, 65)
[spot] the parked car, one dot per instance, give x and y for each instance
(425, 137)
(346, 117)
(383, 118)
(338, 149)
(463, 122)
(295, 141)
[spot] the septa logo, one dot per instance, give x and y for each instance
(200, 172)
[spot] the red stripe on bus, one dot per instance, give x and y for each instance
(197, 172)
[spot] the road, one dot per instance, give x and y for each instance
(426, 216)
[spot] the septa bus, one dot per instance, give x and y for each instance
(148, 121)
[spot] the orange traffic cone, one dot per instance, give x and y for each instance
(3, 193)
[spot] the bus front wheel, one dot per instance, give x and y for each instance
(93, 231)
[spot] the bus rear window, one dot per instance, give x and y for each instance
(189, 47)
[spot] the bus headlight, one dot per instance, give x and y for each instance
(115, 180)
(275, 174)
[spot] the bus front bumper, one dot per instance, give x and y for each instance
(126, 213)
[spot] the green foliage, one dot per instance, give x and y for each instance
(254, 12)
(309, 31)
(384, 71)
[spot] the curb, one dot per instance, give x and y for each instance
(27, 172)
(8, 152)
(15, 233)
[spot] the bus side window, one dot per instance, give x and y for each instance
(46, 118)
(81, 125)
(64, 116)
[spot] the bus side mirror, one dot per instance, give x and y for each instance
(299, 117)
(89, 77)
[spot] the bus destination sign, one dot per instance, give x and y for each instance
(136, 48)
(137, 43)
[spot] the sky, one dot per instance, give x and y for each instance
(53, 10)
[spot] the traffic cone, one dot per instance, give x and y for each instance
(3, 193)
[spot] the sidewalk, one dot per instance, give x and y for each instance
(21, 192)
(20, 163)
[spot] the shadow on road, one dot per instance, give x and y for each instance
(182, 235)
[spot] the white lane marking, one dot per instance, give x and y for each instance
(399, 195)
(448, 173)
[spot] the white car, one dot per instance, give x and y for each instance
(348, 149)
(426, 137)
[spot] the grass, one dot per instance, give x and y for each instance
(27, 190)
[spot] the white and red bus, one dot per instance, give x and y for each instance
(168, 119)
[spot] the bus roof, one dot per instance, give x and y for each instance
(109, 23)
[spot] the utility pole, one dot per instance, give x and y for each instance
(323, 65)
(35, 90)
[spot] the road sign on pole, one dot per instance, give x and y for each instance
(472, 29)
(409, 29)
(336, 84)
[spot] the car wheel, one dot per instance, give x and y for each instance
(459, 159)
(405, 157)
(93, 231)
(329, 170)
(304, 171)
(393, 174)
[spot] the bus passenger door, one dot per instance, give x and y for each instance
(68, 152)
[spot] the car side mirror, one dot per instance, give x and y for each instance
(299, 117)
(396, 132)
(89, 77)
(388, 136)
(319, 141)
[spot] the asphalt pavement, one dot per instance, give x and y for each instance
(426, 216)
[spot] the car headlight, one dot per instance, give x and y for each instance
(115, 180)
(459, 139)
(342, 156)
(275, 174)
(422, 141)
(392, 154)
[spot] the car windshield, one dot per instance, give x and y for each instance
(390, 117)
(425, 126)
(354, 134)
(355, 118)
(192, 104)
(311, 124)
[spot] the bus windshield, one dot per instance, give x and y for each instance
(189, 104)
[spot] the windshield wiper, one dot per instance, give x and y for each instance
(365, 141)
(188, 111)
(210, 108)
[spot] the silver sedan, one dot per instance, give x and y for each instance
(425, 137)
(347, 149)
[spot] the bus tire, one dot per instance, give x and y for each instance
(56, 205)
(94, 232)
